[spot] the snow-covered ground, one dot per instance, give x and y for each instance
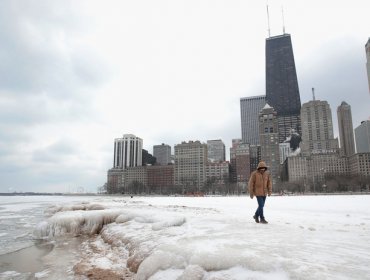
(308, 237)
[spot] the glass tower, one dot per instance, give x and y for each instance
(282, 92)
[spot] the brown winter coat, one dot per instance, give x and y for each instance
(260, 184)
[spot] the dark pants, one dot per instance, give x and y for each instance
(261, 203)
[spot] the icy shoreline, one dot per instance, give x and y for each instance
(92, 195)
(308, 237)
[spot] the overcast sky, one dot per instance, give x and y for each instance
(75, 75)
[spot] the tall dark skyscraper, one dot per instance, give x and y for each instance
(282, 92)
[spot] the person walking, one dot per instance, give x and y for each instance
(260, 185)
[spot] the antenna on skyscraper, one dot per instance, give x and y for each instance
(282, 14)
(313, 94)
(268, 19)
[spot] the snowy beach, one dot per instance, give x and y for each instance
(308, 237)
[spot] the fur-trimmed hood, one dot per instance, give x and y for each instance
(261, 165)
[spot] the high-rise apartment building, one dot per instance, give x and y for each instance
(162, 153)
(161, 178)
(190, 165)
(347, 142)
(367, 49)
(250, 108)
(284, 151)
(362, 136)
(235, 144)
(242, 160)
(282, 92)
(135, 179)
(269, 139)
(115, 180)
(127, 151)
(255, 156)
(317, 128)
(217, 172)
(216, 150)
(241, 156)
(359, 164)
(311, 171)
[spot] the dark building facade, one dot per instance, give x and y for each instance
(255, 156)
(282, 92)
(147, 158)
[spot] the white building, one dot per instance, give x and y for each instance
(127, 151)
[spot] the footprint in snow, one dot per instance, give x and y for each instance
(311, 229)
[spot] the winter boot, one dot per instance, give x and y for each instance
(263, 221)
(256, 219)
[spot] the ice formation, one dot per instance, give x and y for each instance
(216, 238)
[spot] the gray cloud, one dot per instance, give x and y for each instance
(56, 152)
(46, 76)
(60, 166)
(39, 53)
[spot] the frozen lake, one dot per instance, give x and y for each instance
(308, 237)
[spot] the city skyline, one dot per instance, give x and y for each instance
(74, 76)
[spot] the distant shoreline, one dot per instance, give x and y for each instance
(179, 195)
(49, 194)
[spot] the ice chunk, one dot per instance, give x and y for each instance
(178, 221)
(76, 222)
(74, 207)
(42, 274)
(159, 260)
(194, 272)
(125, 217)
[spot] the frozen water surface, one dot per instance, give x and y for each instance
(308, 237)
